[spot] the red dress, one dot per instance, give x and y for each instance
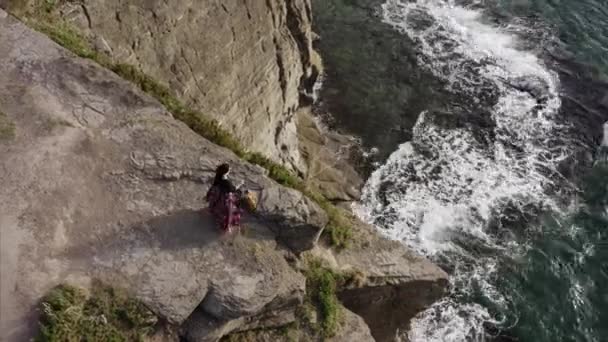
(225, 208)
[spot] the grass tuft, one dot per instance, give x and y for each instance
(276, 171)
(338, 232)
(7, 128)
(69, 314)
(66, 36)
(322, 284)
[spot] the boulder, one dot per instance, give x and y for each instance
(203, 327)
(353, 328)
(298, 222)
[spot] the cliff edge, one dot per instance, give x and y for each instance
(100, 182)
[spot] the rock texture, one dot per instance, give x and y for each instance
(352, 329)
(390, 285)
(99, 181)
(243, 62)
(327, 155)
(296, 224)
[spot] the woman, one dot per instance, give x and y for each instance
(223, 198)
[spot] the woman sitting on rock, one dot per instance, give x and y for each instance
(223, 198)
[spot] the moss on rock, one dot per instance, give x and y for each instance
(322, 284)
(7, 127)
(105, 314)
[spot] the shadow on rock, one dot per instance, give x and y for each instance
(183, 229)
(180, 230)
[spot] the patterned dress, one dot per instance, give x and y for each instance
(225, 208)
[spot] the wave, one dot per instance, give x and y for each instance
(470, 180)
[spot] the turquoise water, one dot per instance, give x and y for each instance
(481, 187)
(559, 288)
(581, 24)
(486, 153)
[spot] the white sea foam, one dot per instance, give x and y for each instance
(440, 192)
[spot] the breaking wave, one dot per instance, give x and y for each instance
(466, 188)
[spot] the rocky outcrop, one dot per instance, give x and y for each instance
(328, 156)
(99, 181)
(390, 283)
(203, 327)
(352, 329)
(297, 224)
(242, 62)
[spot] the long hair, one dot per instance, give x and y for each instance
(220, 172)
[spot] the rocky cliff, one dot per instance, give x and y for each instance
(241, 62)
(99, 181)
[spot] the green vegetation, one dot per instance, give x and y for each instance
(69, 314)
(288, 333)
(7, 128)
(322, 284)
(66, 36)
(39, 14)
(338, 230)
(320, 316)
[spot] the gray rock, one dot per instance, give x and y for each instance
(100, 182)
(390, 284)
(536, 87)
(353, 328)
(203, 327)
(240, 62)
(327, 155)
(298, 221)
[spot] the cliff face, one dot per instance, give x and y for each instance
(99, 181)
(242, 62)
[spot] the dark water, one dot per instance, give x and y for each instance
(374, 87)
(502, 180)
(582, 25)
(558, 289)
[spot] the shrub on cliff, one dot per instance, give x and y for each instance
(322, 284)
(70, 314)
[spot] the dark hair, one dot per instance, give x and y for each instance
(220, 172)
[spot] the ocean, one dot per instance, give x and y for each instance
(485, 126)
